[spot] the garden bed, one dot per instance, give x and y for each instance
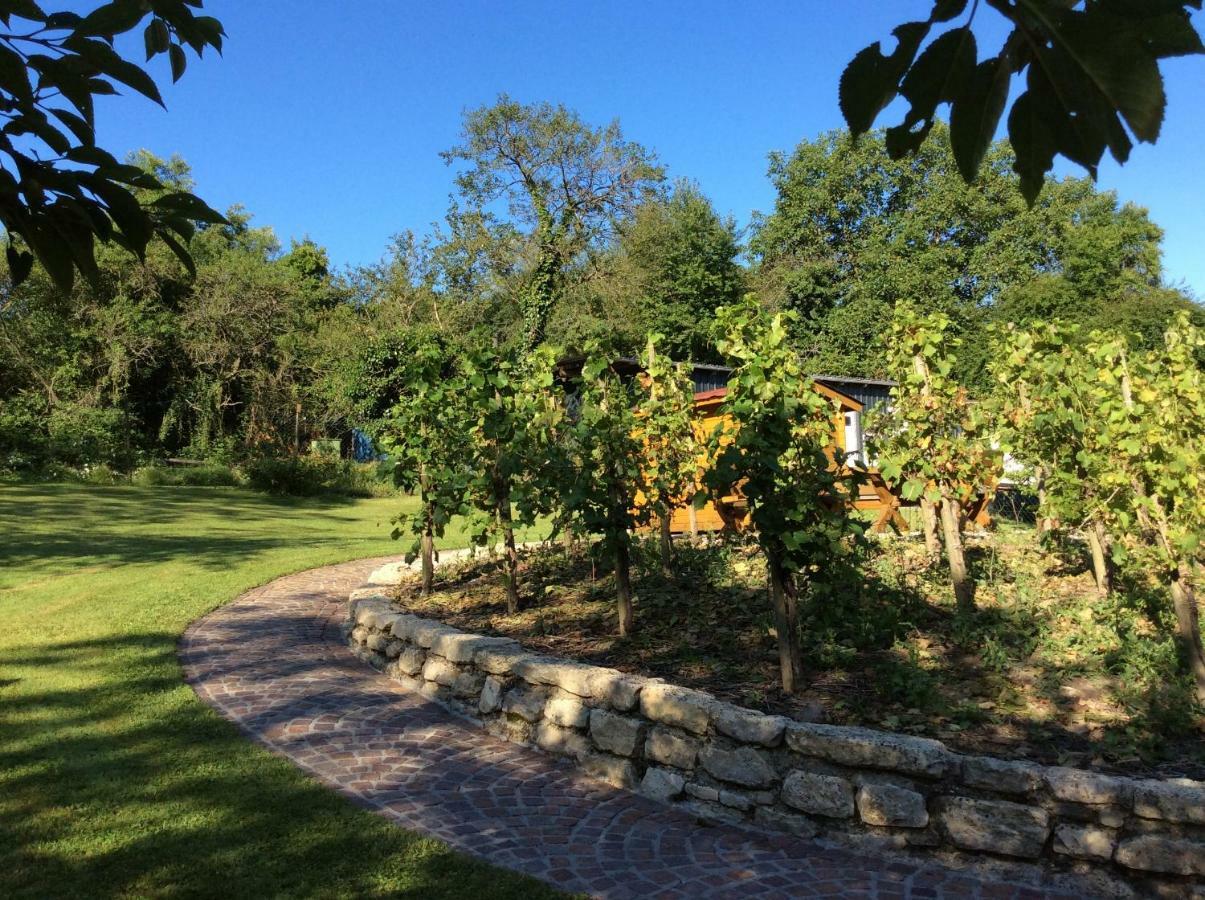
(1045, 671)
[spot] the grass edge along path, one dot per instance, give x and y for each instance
(115, 779)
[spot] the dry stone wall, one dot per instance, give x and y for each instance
(729, 764)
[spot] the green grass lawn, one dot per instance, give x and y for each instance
(114, 779)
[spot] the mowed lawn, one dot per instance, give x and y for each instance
(114, 779)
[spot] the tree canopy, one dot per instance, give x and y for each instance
(854, 231)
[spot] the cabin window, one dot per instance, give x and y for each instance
(853, 438)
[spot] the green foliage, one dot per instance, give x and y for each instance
(301, 476)
(606, 454)
(422, 428)
(670, 447)
(1046, 418)
(853, 232)
(932, 441)
(681, 261)
(1087, 67)
(237, 361)
(62, 192)
(328, 447)
(1119, 433)
(565, 183)
(208, 475)
(777, 450)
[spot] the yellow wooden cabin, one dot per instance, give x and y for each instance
(853, 398)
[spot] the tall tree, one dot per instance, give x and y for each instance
(682, 264)
(853, 232)
(563, 183)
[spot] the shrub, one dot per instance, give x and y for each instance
(152, 476)
(306, 476)
(328, 447)
(208, 475)
(100, 473)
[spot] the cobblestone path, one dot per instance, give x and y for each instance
(273, 662)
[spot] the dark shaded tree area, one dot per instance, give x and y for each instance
(145, 358)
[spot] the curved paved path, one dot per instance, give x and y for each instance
(274, 662)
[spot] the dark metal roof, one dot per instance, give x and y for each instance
(870, 392)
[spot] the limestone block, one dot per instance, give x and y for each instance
(1085, 842)
(1177, 800)
(702, 791)
(672, 747)
(394, 649)
(459, 647)
(377, 642)
(864, 747)
(491, 695)
(777, 820)
(500, 659)
(662, 784)
(748, 726)
(567, 711)
(613, 770)
(1153, 853)
(565, 741)
(744, 766)
(1003, 775)
(615, 689)
(616, 734)
(887, 804)
(410, 660)
(822, 795)
(736, 800)
(672, 705)
(426, 632)
(468, 684)
(439, 670)
(997, 826)
(404, 625)
(1088, 787)
(524, 704)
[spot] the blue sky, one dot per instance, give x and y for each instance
(326, 119)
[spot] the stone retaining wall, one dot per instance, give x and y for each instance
(722, 762)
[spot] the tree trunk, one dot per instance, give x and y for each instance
(427, 544)
(1188, 625)
(786, 624)
(693, 515)
(1098, 543)
(964, 587)
(666, 544)
(428, 557)
(1042, 522)
(510, 561)
(623, 584)
(928, 513)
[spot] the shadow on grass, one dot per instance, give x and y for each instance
(116, 781)
(128, 524)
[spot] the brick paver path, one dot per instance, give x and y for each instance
(274, 662)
